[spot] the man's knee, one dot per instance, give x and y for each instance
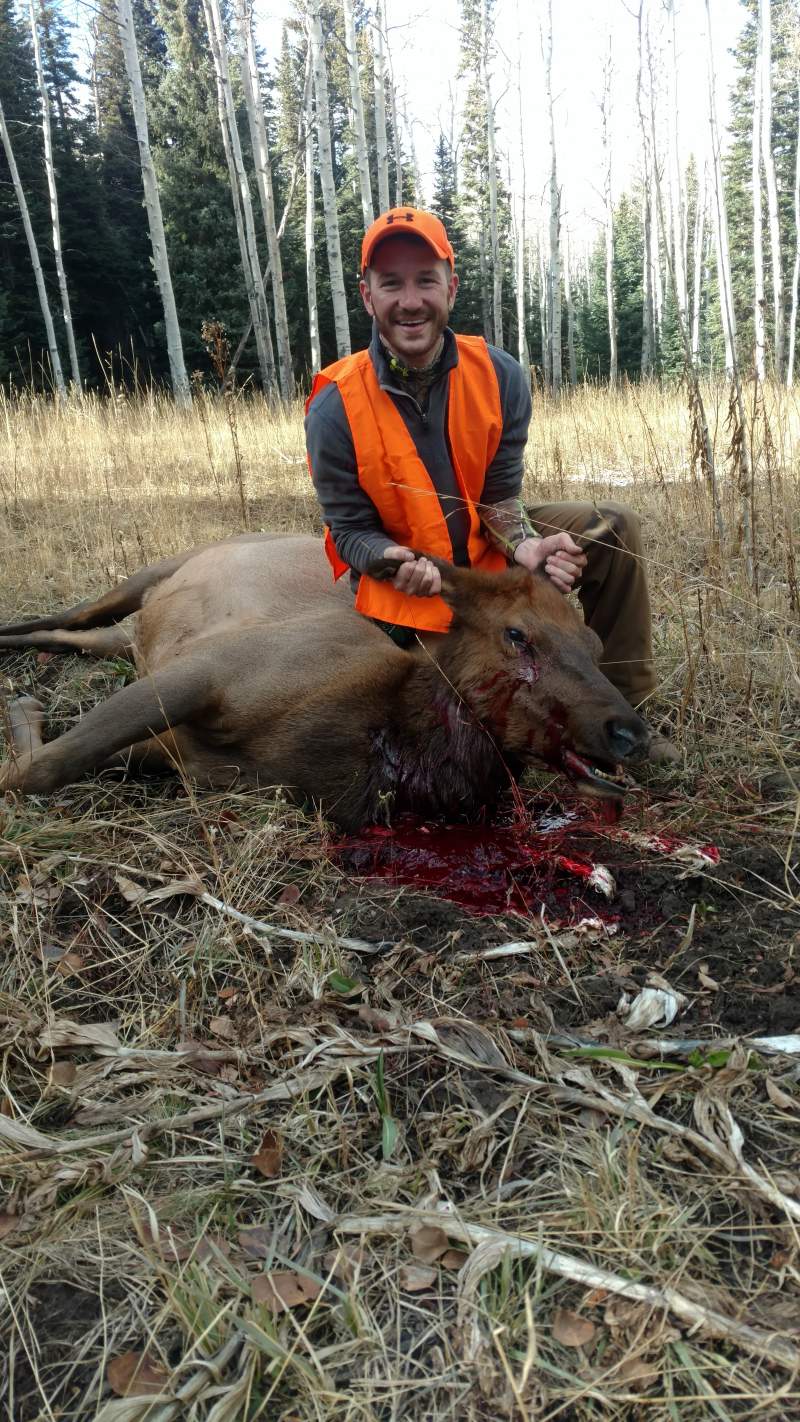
(625, 524)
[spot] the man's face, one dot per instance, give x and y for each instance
(410, 292)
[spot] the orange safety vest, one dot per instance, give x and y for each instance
(391, 472)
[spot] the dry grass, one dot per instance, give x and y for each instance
(217, 1035)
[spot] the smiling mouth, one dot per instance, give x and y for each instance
(600, 780)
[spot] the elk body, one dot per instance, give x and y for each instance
(253, 666)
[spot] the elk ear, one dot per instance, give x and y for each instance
(457, 583)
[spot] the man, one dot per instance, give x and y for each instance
(418, 444)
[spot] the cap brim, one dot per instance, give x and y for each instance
(405, 232)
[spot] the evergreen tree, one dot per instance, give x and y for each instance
(22, 334)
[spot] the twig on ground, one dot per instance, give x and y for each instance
(567, 1266)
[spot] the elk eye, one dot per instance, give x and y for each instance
(516, 637)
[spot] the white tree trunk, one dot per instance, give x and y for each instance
(544, 315)
(379, 74)
(55, 359)
(50, 170)
(765, 26)
(648, 277)
(573, 371)
(258, 139)
(242, 201)
(520, 204)
(338, 294)
(554, 264)
(796, 271)
(758, 217)
(605, 112)
(357, 105)
(698, 249)
(494, 240)
(152, 202)
(676, 199)
(311, 251)
(728, 313)
(398, 147)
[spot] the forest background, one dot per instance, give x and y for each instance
(588, 221)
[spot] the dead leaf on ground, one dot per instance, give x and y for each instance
(454, 1259)
(8, 1223)
(228, 994)
(267, 1159)
(140, 895)
(69, 964)
(428, 1243)
(572, 1330)
(415, 1277)
(638, 1371)
(174, 1246)
(705, 980)
(257, 1242)
(283, 1289)
(289, 896)
(780, 1098)
(136, 1375)
(223, 1027)
(376, 1019)
(63, 1073)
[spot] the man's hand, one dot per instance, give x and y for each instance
(416, 576)
(558, 556)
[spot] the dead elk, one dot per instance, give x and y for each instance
(254, 666)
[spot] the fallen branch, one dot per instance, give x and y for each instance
(295, 935)
(568, 1266)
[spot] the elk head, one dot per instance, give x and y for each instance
(522, 660)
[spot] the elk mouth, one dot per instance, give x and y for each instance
(602, 780)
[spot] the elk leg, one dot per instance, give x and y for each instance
(145, 708)
(25, 721)
(104, 642)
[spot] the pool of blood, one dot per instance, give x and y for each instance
(521, 866)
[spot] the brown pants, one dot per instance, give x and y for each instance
(613, 590)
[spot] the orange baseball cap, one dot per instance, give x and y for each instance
(405, 222)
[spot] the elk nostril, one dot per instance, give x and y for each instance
(624, 740)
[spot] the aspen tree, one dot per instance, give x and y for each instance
(519, 207)
(379, 75)
(605, 113)
(55, 359)
(240, 193)
(554, 263)
(727, 311)
(325, 156)
(765, 52)
(648, 279)
(573, 375)
(676, 199)
(491, 149)
(47, 137)
(796, 270)
(311, 251)
(758, 217)
(258, 139)
(357, 106)
(152, 202)
(698, 250)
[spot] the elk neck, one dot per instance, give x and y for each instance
(435, 755)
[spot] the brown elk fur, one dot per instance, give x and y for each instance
(254, 666)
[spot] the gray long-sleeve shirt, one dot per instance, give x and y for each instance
(350, 513)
